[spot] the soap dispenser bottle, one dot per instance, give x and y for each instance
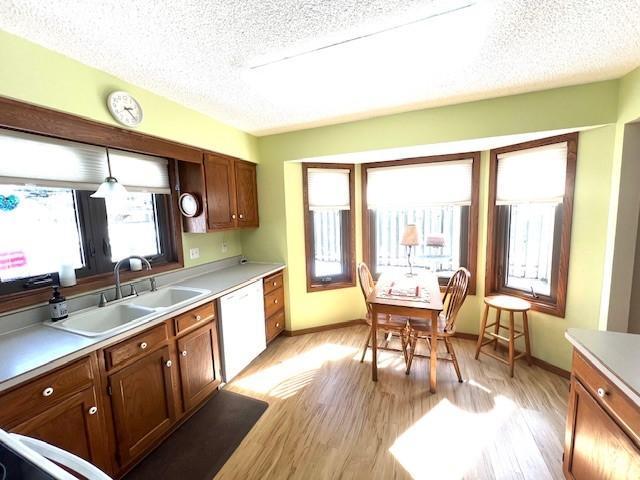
(58, 306)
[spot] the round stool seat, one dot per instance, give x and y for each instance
(505, 302)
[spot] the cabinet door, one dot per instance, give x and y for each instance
(199, 365)
(221, 199)
(596, 447)
(246, 194)
(75, 425)
(143, 404)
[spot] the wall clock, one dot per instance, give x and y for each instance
(189, 205)
(124, 109)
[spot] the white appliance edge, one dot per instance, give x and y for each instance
(242, 325)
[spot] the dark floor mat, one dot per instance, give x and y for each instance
(200, 447)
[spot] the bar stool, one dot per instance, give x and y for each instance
(512, 305)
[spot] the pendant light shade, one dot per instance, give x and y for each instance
(110, 188)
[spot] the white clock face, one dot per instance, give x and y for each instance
(125, 109)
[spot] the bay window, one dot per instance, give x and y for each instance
(530, 210)
(48, 218)
(437, 194)
(329, 225)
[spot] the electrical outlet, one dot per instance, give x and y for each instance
(194, 253)
(225, 247)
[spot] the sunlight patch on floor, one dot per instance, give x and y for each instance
(287, 378)
(448, 440)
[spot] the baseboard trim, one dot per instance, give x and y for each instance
(536, 361)
(322, 328)
(462, 335)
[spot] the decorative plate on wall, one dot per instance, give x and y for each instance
(189, 205)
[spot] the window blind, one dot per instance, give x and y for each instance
(49, 162)
(328, 189)
(532, 175)
(421, 185)
(35, 159)
(141, 173)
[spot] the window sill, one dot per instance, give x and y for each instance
(36, 296)
(537, 305)
(329, 286)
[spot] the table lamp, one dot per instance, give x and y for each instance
(410, 239)
(435, 240)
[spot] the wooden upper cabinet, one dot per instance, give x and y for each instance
(220, 186)
(246, 194)
(231, 193)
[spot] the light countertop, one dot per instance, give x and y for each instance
(617, 355)
(33, 350)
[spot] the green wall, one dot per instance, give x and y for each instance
(40, 76)
(622, 224)
(572, 107)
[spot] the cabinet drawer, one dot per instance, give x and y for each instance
(135, 347)
(42, 393)
(273, 302)
(272, 282)
(275, 325)
(607, 394)
(196, 317)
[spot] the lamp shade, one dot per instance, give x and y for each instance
(435, 240)
(110, 188)
(410, 237)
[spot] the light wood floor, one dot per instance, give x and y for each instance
(327, 419)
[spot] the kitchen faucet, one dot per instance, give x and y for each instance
(116, 273)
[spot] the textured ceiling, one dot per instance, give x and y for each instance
(200, 53)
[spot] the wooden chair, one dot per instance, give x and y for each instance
(388, 324)
(454, 297)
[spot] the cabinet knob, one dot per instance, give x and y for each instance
(275, 301)
(277, 325)
(602, 392)
(275, 284)
(198, 318)
(241, 216)
(169, 363)
(93, 410)
(143, 345)
(47, 392)
(184, 353)
(233, 216)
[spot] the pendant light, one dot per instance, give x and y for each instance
(110, 188)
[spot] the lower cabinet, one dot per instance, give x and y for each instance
(199, 365)
(602, 435)
(142, 403)
(73, 425)
(273, 305)
(115, 405)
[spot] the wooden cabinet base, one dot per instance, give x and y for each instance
(143, 404)
(273, 287)
(599, 442)
(199, 367)
(117, 404)
(75, 425)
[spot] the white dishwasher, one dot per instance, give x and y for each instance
(243, 329)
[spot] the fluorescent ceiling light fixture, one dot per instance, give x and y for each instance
(110, 188)
(450, 7)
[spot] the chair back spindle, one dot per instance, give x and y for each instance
(366, 282)
(454, 296)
